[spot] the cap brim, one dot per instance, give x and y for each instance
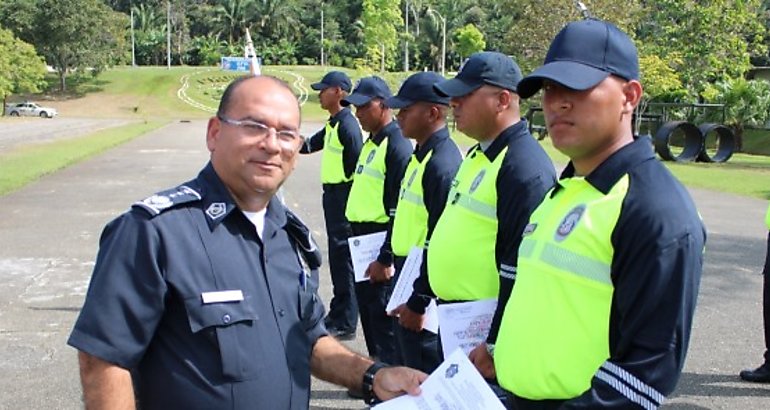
(398, 102)
(356, 99)
(575, 76)
(319, 86)
(456, 87)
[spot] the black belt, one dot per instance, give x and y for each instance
(338, 186)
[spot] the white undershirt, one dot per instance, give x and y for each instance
(258, 219)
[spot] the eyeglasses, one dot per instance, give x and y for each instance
(286, 138)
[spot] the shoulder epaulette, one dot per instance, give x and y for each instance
(159, 202)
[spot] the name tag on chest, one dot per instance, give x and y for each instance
(222, 296)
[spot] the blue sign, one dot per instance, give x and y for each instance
(236, 63)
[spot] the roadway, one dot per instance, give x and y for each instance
(50, 229)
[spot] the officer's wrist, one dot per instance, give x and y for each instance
(367, 384)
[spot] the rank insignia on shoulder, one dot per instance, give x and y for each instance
(157, 203)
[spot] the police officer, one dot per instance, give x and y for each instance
(501, 180)
(424, 189)
(371, 206)
(762, 373)
(205, 296)
(341, 142)
(610, 263)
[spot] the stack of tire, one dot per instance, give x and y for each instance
(694, 148)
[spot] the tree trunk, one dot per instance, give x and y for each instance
(738, 138)
(62, 79)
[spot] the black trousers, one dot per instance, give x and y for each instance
(418, 350)
(342, 309)
(372, 299)
(766, 300)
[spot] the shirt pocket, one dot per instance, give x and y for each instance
(235, 325)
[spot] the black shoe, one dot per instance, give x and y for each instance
(759, 375)
(342, 334)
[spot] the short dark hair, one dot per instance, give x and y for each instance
(226, 101)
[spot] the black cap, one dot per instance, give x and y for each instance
(486, 67)
(333, 79)
(418, 87)
(366, 89)
(582, 55)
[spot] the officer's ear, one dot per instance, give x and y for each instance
(212, 133)
(632, 95)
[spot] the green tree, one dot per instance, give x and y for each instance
(21, 69)
(747, 103)
(531, 32)
(469, 40)
(75, 35)
(706, 42)
(381, 20)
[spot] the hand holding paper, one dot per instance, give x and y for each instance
(454, 385)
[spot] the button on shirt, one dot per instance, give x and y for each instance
(146, 311)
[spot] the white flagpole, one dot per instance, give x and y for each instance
(251, 54)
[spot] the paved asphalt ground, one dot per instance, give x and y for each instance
(49, 233)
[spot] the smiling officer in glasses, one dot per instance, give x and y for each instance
(205, 295)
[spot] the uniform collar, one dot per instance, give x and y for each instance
(609, 172)
(345, 111)
(508, 135)
(218, 204)
(422, 150)
(390, 129)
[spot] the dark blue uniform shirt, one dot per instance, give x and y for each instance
(526, 175)
(349, 133)
(659, 242)
(147, 310)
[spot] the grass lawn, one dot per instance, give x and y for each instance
(28, 163)
(153, 93)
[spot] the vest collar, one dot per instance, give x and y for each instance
(421, 151)
(508, 135)
(607, 174)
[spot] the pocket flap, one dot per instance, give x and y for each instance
(217, 314)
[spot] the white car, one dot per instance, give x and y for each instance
(30, 108)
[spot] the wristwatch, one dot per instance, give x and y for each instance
(491, 349)
(367, 385)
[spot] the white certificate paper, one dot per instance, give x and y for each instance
(455, 385)
(405, 285)
(363, 251)
(465, 325)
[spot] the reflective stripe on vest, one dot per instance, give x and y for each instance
(461, 255)
(410, 225)
(332, 167)
(767, 219)
(563, 293)
(365, 200)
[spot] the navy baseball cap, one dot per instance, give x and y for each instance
(418, 87)
(582, 55)
(366, 89)
(485, 67)
(333, 79)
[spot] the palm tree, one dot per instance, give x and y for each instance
(233, 16)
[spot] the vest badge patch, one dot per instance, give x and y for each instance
(569, 222)
(370, 157)
(477, 181)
